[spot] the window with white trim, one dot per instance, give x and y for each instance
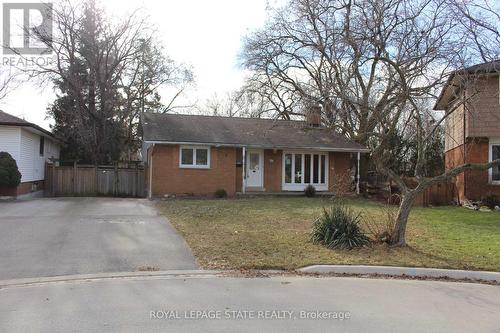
(194, 157)
(302, 169)
(494, 155)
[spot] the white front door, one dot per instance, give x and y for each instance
(255, 168)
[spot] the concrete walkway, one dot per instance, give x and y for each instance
(63, 236)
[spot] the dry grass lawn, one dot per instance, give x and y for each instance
(273, 232)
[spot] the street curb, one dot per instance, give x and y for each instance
(403, 271)
(101, 276)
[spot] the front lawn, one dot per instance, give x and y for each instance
(273, 232)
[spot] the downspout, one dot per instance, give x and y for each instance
(358, 175)
(150, 194)
(244, 165)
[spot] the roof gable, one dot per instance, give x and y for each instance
(7, 119)
(455, 81)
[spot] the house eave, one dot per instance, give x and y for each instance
(239, 145)
(34, 129)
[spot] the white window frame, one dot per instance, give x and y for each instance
(493, 142)
(301, 186)
(194, 165)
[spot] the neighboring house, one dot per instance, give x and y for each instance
(31, 146)
(191, 154)
(471, 100)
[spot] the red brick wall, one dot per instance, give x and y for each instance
(169, 178)
(273, 160)
(339, 171)
(454, 158)
(239, 170)
(23, 188)
(272, 170)
(471, 184)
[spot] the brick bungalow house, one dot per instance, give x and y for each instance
(471, 101)
(31, 146)
(196, 155)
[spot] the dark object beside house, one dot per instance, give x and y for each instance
(9, 173)
(491, 200)
(310, 191)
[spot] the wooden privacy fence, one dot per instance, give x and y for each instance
(90, 180)
(440, 194)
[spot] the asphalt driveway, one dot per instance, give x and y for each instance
(62, 236)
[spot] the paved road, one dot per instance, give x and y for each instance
(125, 305)
(50, 237)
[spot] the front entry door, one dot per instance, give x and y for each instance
(255, 168)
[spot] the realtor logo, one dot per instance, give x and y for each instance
(27, 27)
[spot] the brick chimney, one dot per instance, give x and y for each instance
(312, 116)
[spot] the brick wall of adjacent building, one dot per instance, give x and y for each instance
(472, 184)
(23, 188)
(452, 159)
(476, 114)
(482, 121)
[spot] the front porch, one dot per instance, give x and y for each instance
(289, 171)
(250, 194)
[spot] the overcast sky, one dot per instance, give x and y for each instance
(204, 34)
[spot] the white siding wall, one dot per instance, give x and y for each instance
(31, 164)
(29, 157)
(24, 147)
(10, 139)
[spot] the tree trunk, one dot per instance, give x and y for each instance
(399, 231)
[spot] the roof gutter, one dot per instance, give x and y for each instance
(238, 145)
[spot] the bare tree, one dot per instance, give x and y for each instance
(244, 102)
(8, 80)
(226, 106)
(106, 72)
(371, 65)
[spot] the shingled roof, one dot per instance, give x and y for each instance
(249, 132)
(10, 120)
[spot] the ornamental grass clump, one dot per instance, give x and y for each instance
(339, 228)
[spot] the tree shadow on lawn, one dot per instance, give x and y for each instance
(444, 262)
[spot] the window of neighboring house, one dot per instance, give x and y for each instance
(42, 145)
(194, 157)
(494, 155)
